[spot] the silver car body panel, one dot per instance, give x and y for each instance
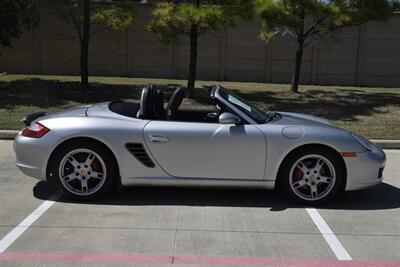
(208, 150)
(187, 153)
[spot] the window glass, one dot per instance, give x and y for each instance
(251, 111)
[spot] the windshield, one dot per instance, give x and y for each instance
(251, 111)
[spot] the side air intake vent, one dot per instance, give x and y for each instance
(140, 154)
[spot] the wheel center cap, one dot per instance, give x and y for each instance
(83, 171)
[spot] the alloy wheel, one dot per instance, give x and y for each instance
(312, 177)
(82, 172)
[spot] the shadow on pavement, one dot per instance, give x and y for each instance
(383, 196)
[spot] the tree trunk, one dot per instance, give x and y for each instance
(297, 68)
(194, 35)
(299, 52)
(85, 45)
(193, 62)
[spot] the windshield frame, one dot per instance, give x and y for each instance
(255, 117)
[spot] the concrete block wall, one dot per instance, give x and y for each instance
(368, 55)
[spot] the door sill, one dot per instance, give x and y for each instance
(202, 182)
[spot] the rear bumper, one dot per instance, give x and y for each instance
(365, 170)
(32, 154)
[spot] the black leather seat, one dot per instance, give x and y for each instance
(159, 111)
(174, 103)
(146, 104)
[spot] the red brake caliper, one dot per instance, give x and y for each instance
(95, 166)
(297, 174)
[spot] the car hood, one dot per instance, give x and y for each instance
(289, 118)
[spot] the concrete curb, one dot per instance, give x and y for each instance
(384, 144)
(8, 134)
(388, 144)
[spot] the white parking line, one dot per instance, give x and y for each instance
(337, 248)
(10, 238)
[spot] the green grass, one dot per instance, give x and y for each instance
(372, 112)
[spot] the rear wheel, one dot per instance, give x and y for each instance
(83, 171)
(312, 175)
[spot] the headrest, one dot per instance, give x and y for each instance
(175, 102)
(146, 103)
(159, 111)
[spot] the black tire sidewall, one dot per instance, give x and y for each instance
(111, 169)
(284, 174)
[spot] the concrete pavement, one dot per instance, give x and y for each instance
(212, 227)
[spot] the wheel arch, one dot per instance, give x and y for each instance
(81, 139)
(310, 146)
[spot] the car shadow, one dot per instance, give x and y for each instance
(381, 197)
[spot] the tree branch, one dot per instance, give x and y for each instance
(321, 34)
(74, 21)
(318, 22)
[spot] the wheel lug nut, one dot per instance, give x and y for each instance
(313, 183)
(79, 167)
(86, 166)
(318, 178)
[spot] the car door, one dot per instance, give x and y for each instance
(207, 150)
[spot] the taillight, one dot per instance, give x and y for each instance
(35, 130)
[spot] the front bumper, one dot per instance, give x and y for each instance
(365, 170)
(32, 154)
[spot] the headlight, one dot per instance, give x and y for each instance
(364, 142)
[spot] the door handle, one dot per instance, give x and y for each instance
(156, 138)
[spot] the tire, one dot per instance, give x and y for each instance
(83, 170)
(312, 175)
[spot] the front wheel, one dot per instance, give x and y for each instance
(83, 171)
(312, 176)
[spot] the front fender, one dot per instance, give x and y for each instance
(279, 146)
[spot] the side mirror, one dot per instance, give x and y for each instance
(229, 118)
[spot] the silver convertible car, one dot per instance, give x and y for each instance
(91, 150)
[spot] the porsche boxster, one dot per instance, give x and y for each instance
(91, 150)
